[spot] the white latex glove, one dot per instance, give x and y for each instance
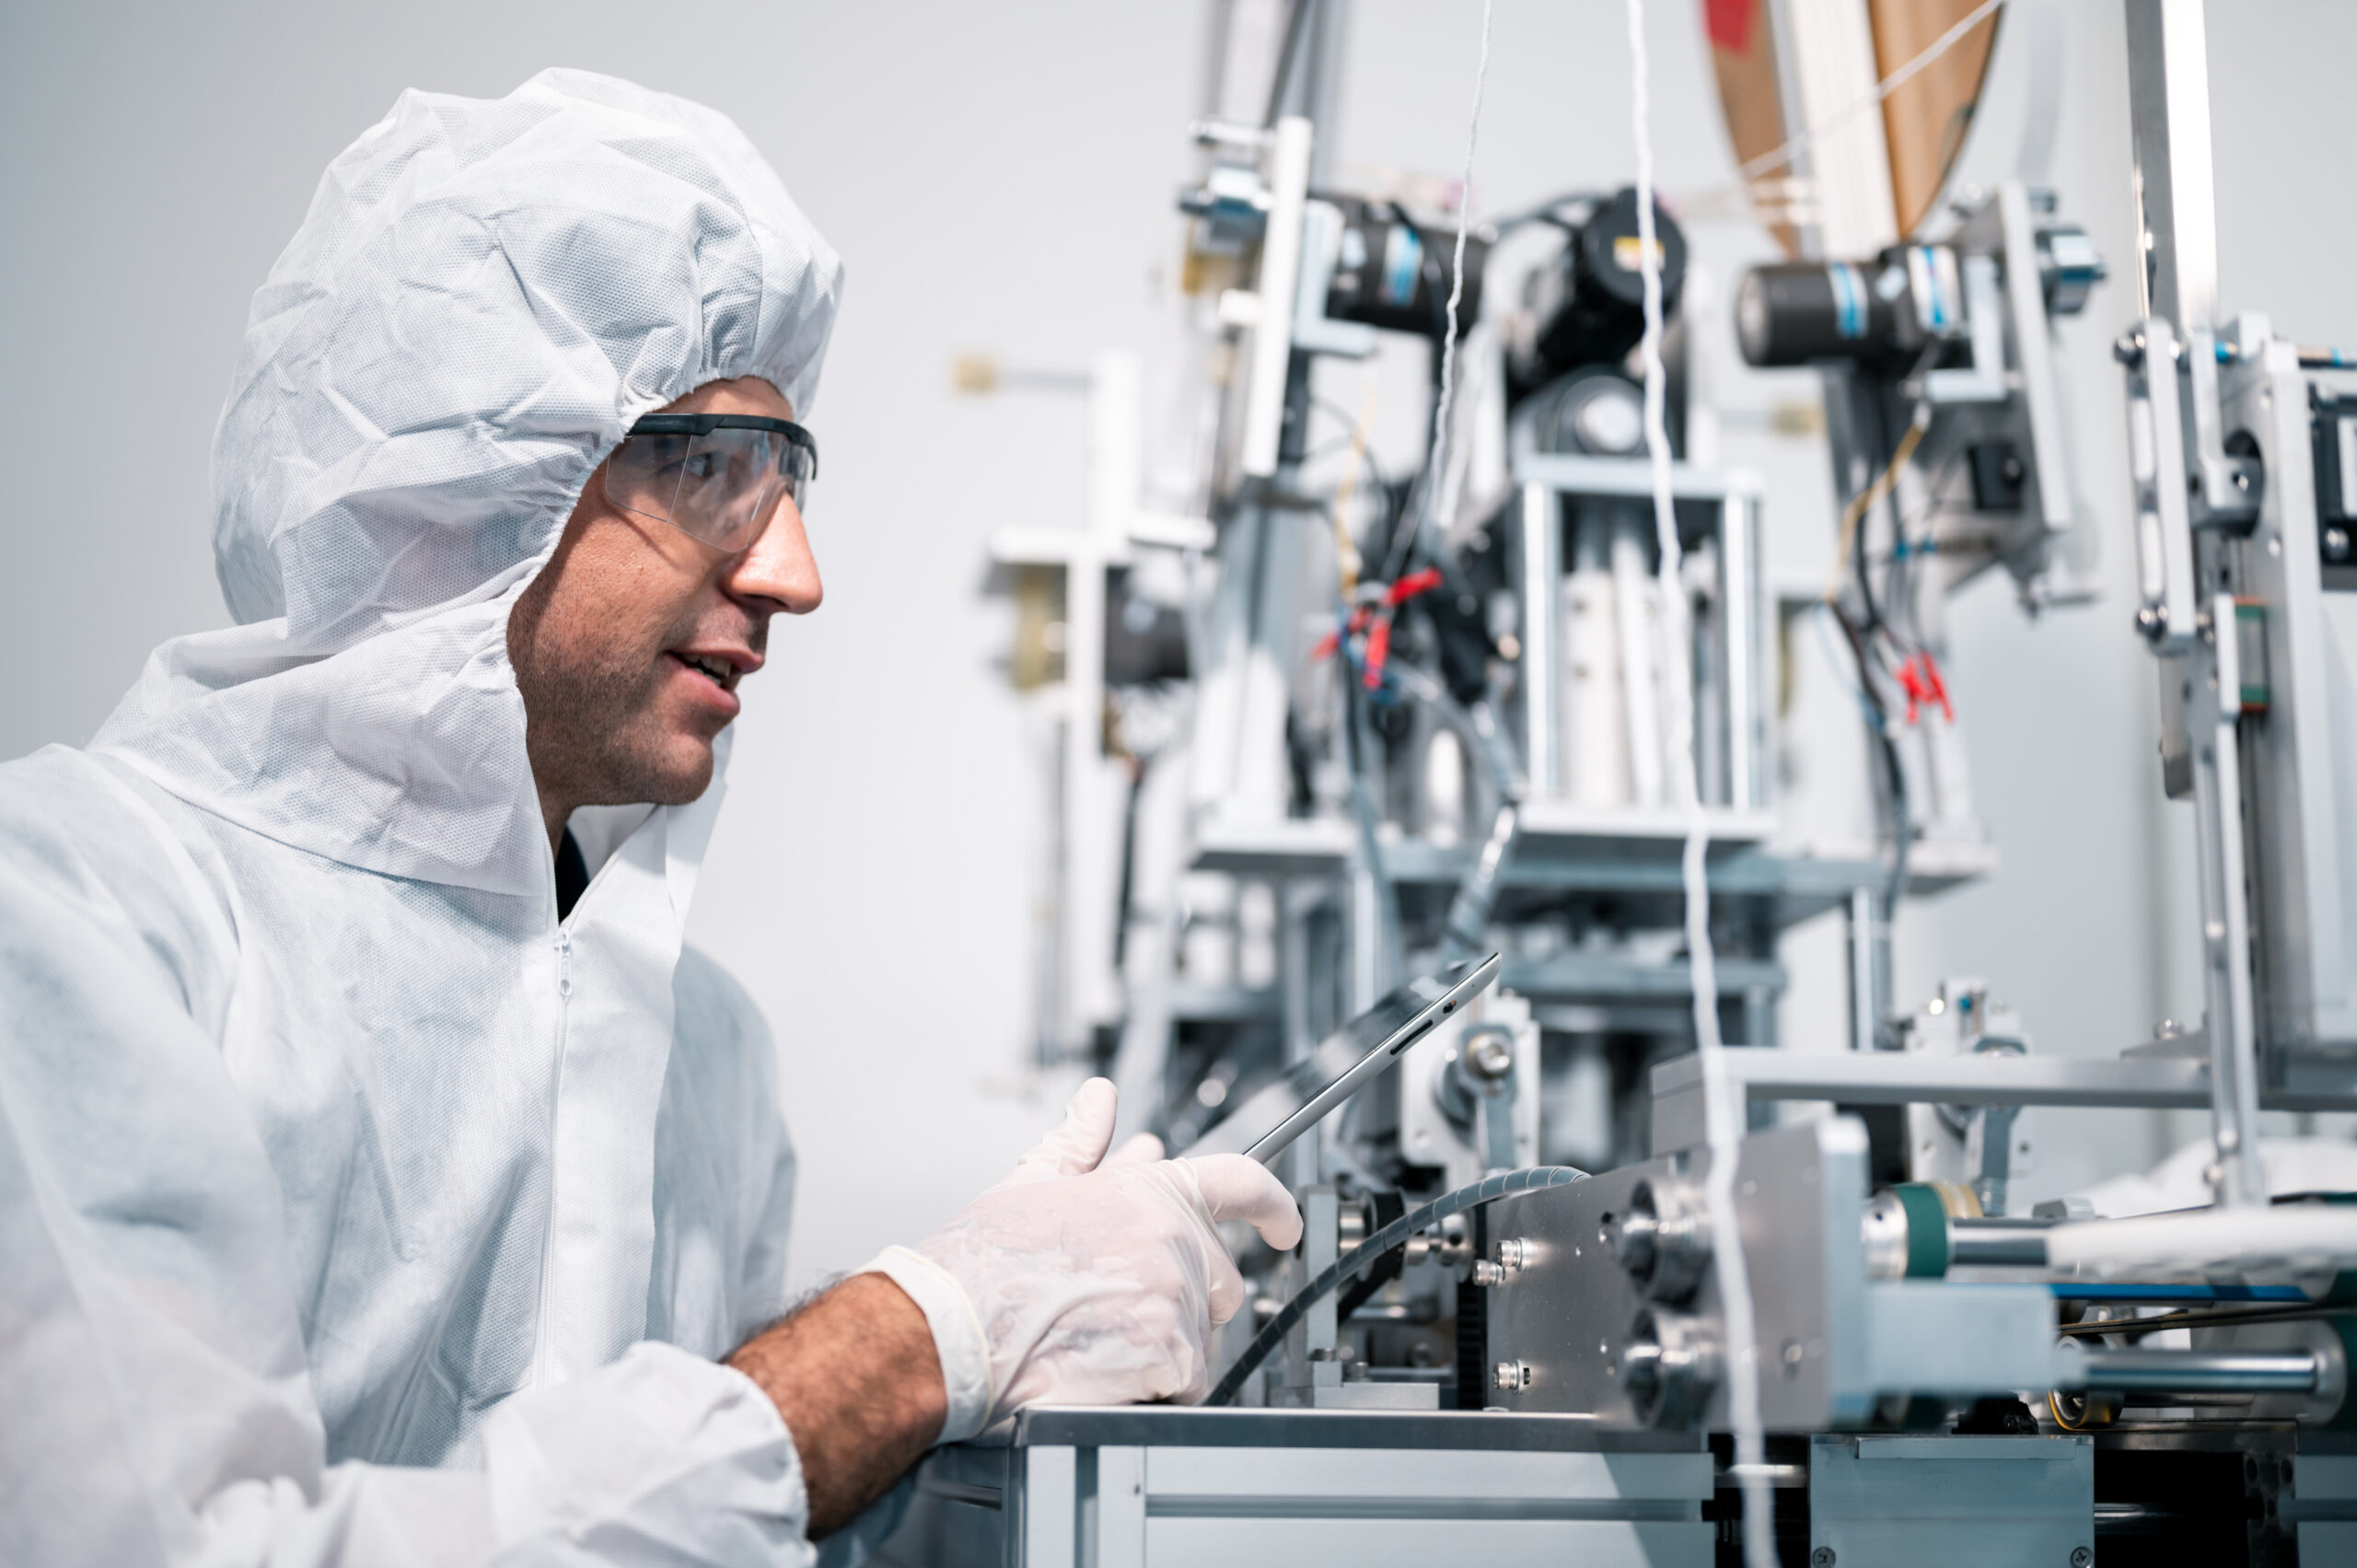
(1091, 1280)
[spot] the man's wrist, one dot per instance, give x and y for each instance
(960, 1343)
(854, 1377)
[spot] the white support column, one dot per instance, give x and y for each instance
(1264, 397)
(1050, 1507)
(1542, 541)
(1120, 1507)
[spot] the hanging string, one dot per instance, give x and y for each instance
(1441, 405)
(1722, 1114)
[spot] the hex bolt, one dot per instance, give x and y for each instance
(2081, 1556)
(1822, 1558)
(1489, 1055)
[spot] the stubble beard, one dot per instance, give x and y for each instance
(595, 730)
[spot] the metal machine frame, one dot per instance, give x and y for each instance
(1895, 1329)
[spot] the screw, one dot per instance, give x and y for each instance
(2128, 350)
(1486, 1273)
(1513, 1254)
(2336, 543)
(1821, 1558)
(2081, 1556)
(1512, 1375)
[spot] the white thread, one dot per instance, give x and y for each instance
(1432, 481)
(1882, 89)
(1723, 1123)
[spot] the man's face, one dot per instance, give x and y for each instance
(628, 645)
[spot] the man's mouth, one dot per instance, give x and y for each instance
(711, 667)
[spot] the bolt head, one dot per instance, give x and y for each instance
(2336, 543)
(2081, 1557)
(2128, 350)
(1821, 1558)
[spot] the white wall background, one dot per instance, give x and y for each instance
(1002, 177)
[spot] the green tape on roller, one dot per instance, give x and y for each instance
(1927, 1230)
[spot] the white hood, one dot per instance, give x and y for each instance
(482, 298)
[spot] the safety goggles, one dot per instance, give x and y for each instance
(716, 476)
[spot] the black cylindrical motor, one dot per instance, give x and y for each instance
(1591, 303)
(1394, 274)
(1799, 312)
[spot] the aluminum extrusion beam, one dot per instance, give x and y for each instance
(2168, 116)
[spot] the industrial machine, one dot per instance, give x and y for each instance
(1572, 1289)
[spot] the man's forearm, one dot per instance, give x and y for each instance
(856, 1377)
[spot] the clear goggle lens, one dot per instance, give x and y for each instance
(719, 485)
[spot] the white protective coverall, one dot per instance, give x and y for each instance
(353, 1209)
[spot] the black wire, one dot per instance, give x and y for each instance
(1878, 710)
(1902, 828)
(2134, 1326)
(1902, 822)
(1906, 565)
(1545, 212)
(1366, 453)
(1886, 449)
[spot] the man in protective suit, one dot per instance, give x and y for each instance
(382, 1179)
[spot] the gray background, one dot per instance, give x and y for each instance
(999, 177)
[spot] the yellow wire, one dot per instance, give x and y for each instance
(1346, 552)
(1866, 500)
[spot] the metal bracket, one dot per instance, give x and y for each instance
(1984, 303)
(2229, 486)
(2213, 711)
(2167, 588)
(2032, 350)
(1313, 333)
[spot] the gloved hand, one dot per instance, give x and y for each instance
(1092, 1281)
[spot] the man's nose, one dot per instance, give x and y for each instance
(779, 566)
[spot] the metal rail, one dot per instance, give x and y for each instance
(2202, 1371)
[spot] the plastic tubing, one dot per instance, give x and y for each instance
(1360, 1258)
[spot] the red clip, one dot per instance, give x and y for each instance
(1913, 687)
(1378, 653)
(1920, 678)
(1411, 585)
(1332, 640)
(1937, 687)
